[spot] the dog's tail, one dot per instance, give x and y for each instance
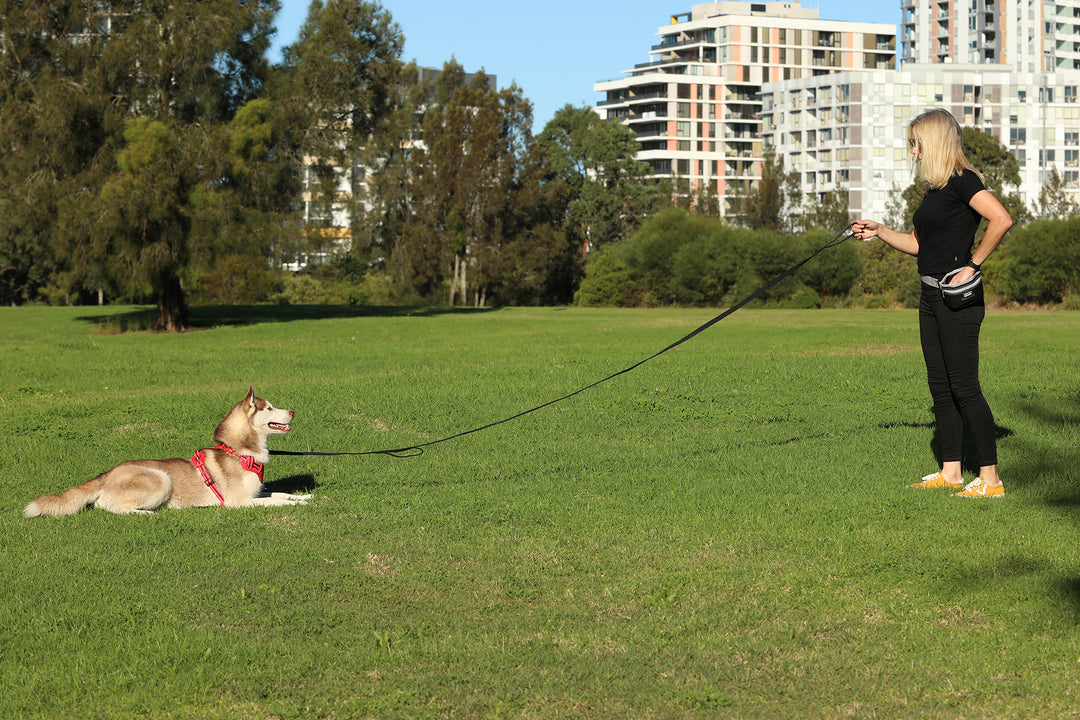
(68, 502)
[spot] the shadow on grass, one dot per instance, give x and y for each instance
(969, 459)
(207, 316)
(1029, 461)
(1069, 587)
(1047, 459)
(294, 484)
(204, 316)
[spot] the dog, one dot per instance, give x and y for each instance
(228, 475)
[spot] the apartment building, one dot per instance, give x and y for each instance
(850, 130)
(1026, 35)
(696, 107)
(1018, 86)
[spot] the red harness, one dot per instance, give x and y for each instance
(248, 462)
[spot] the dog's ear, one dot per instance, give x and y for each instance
(250, 399)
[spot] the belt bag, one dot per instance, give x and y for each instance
(958, 297)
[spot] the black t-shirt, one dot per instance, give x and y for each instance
(946, 223)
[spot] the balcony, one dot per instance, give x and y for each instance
(650, 131)
(665, 46)
(646, 95)
(652, 114)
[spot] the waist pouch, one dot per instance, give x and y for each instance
(958, 297)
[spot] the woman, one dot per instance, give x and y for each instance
(955, 202)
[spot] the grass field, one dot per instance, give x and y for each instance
(723, 533)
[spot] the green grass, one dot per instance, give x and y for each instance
(724, 532)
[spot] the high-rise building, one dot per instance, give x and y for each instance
(1005, 69)
(696, 107)
(1025, 35)
(864, 150)
(729, 78)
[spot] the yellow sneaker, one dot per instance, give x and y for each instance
(977, 489)
(937, 480)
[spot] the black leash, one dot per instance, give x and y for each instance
(415, 450)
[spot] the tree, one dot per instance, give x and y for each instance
(883, 270)
(377, 234)
(130, 95)
(833, 273)
(707, 200)
(1054, 202)
(243, 221)
(53, 125)
(608, 281)
(1040, 262)
(182, 71)
(606, 191)
(773, 202)
(145, 216)
(475, 190)
(827, 210)
(341, 78)
(999, 168)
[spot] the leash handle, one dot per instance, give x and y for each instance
(417, 450)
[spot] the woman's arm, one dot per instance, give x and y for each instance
(998, 222)
(904, 242)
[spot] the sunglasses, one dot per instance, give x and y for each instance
(912, 142)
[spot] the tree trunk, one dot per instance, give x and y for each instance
(454, 279)
(171, 308)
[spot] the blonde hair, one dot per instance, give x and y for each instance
(941, 139)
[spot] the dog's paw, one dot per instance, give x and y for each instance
(290, 498)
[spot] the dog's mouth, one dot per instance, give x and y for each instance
(279, 427)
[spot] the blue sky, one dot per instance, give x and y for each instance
(554, 50)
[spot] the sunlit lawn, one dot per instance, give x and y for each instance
(723, 532)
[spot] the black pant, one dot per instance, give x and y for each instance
(950, 344)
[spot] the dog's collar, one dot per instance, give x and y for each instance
(248, 462)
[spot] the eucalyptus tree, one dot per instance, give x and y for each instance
(1054, 201)
(773, 202)
(470, 175)
(129, 100)
(342, 79)
(54, 121)
(608, 194)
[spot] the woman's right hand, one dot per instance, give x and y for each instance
(865, 229)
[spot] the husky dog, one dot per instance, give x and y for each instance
(229, 475)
